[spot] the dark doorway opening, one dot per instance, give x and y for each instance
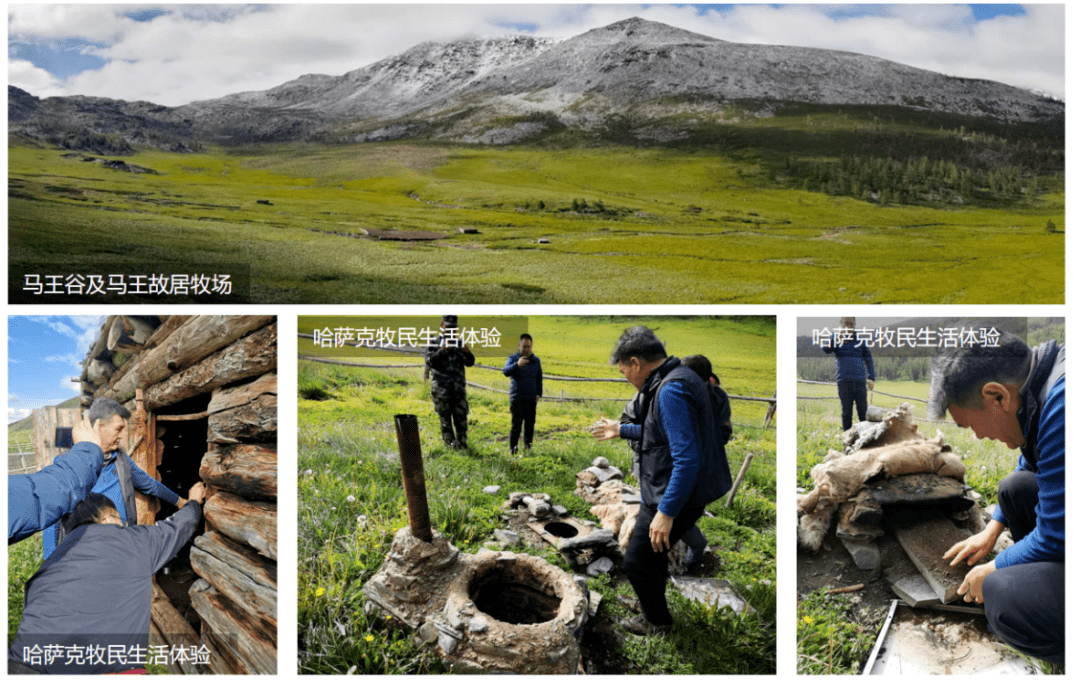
(183, 446)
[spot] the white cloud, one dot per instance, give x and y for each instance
(17, 414)
(33, 79)
(68, 383)
(70, 359)
(182, 56)
(89, 327)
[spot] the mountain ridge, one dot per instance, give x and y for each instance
(466, 90)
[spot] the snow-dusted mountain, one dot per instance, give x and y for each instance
(501, 90)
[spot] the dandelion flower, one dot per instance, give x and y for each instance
(370, 638)
(350, 499)
(319, 592)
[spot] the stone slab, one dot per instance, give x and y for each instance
(711, 592)
(921, 490)
(925, 538)
(914, 590)
(867, 556)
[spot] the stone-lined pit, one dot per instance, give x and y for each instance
(508, 592)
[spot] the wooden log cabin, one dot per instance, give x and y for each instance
(203, 396)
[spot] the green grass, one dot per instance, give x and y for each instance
(347, 447)
(680, 225)
(829, 638)
(24, 559)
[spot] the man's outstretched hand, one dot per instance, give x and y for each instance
(605, 429)
(975, 547)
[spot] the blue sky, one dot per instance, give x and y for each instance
(44, 353)
(175, 54)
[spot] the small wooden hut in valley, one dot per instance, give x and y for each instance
(203, 395)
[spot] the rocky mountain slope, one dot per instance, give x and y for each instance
(503, 90)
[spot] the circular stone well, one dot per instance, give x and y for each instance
(518, 613)
(507, 593)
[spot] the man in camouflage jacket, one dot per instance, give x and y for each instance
(446, 362)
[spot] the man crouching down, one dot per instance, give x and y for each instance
(90, 600)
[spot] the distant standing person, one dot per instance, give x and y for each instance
(446, 362)
(854, 371)
(526, 388)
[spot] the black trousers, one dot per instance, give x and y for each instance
(522, 411)
(646, 569)
(1025, 604)
(852, 392)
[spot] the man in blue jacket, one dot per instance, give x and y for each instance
(93, 593)
(119, 477)
(1016, 395)
(682, 469)
(854, 370)
(38, 500)
(526, 388)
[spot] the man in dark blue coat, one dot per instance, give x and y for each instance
(682, 465)
(38, 500)
(526, 388)
(94, 591)
(854, 370)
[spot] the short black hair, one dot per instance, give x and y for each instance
(90, 510)
(700, 365)
(104, 409)
(525, 336)
(958, 375)
(638, 342)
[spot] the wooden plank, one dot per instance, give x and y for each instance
(46, 420)
(925, 539)
(248, 470)
(186, 416)
(172, 627)
(223, 661)
(99, 372)
(190, 343)
(142, 455)
(169, 324)
(98, 347)
(239, 573)
(253, 355)
(225, 399)
(252, 422)
(252, 523)
(253, 641)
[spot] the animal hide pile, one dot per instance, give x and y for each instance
(617, 506)
(887, 449)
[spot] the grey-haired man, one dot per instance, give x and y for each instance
(1016, 395)
(119, 477)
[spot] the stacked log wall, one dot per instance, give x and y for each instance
(234, 359)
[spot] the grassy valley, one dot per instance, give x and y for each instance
(738, 212)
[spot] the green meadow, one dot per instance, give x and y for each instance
(715, 223)
(350, 500)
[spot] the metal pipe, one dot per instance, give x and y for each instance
(412, 475)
